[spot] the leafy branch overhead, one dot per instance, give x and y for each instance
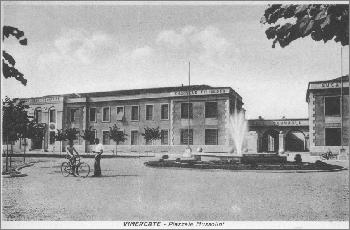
(8, 62)
(321, 22)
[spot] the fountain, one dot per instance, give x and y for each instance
(238, 129)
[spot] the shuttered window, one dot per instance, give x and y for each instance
(185, 138)
(211, 136)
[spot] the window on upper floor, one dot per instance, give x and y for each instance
(52, 115)
(73, 114)
(135, 113)
(332, 106)
(92, 115)
(120, 113)
(149, 112)
(211, 109)
(186, 110)
(164, 112)
(106, 114)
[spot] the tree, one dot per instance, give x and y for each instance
(88, 135)
(151, 134)
(14, 122)
(8, 62)
(117, 136)
(321, 22)
(71, 134)
(60, 136)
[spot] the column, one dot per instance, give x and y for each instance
(84, 115)
(282, 142)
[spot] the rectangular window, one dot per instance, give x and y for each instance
(73, 113)
(333, 136)
(332, 106)
(120, 113)
(185, 139)
(92, 115)
(164, 111)
(211, 136)
(211, 109)
(134, 137)
(186, 110)
(164, 137)
(149, 112)
(105, 136)
(105, 114)
(37, 116)
(52, 115)
(135, 113)
(52, 137)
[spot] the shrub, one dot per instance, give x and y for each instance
(298, 159)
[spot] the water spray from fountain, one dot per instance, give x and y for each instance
(238, 129)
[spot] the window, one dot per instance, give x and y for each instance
(105, 114)
(185, 138)
(120, 113)
(332, 106)
(134, 113)
(164, 137)
(164, 112)
(211, 109)
(52, 115)
(73, 113)
(211, 136)
(37, 116)
(134, 137)
(105, 137)
(186, 109)
(92, 115)
(149, 112)
(333, 136)
(52, 137)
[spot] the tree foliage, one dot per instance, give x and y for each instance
(117, 135)
(71, 134)
(88, 135)
(14, 119)
(320, 21)
(151, 134)
(60, 135)
(8, 62)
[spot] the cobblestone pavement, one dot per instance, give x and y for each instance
(130, 191)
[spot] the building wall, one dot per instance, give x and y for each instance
(319, 121)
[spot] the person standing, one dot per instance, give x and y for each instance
(98, 154)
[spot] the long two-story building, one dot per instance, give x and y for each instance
(201, 123)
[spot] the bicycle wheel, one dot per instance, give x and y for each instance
(83, 169)
(66, 169)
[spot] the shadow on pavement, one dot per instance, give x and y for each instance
(114, 176)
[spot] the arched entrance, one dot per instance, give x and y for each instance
(295, 141)
(270, 141)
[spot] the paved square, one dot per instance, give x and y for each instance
(129, 190)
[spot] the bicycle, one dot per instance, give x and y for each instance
(328, 155)
(82, 168)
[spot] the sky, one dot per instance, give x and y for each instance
(91, 47)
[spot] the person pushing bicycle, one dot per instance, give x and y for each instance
(72, 157)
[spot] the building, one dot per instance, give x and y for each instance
(279, 135)
(201, 123)
(328, 104)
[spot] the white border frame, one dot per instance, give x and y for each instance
(109, 108)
